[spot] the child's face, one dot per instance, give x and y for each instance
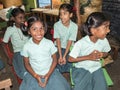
(20, 18)
(101, 31)
(65, 17)
(37, 32)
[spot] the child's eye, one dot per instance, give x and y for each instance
(41, 28)
(34, 29)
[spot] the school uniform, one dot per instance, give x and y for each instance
(87, 74)
(40, 58)
(64, 34)
(17, 39)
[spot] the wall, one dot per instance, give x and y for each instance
(112, 7)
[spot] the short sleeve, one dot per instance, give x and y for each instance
(73, 34)
(75, 51)
(7, 35)
(56, 31)
(24, 51)
(107, 47)
(53, 48)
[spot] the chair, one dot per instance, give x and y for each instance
(5, 84)
(106, 75)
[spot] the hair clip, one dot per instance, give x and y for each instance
(26, 24)
(74, 9)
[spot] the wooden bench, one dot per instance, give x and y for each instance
(5, 84)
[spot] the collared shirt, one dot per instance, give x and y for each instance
(65, 33)
(16, 37)
(84, 47)
(40, 55)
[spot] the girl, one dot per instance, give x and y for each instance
(65, 33)
(40, 60)
(15, 35)
(86, 53)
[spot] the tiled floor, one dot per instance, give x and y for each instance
(113, 70)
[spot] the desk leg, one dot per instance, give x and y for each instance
(44, 18)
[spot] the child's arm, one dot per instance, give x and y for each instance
(53, 65)
(67, 50)
(6, 48)
(59, 50)
(104, 54)
(95, 55)
(31, 71)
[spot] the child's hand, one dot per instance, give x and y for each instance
(46, 77)
(38, 77)
(95, 55)
(64, 60)
(60, 60)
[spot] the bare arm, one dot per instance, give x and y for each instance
(53, 65)
(8, 52)
(31, 71)
(28, 66)
(60, 60)
(66, 51)
(59, 46)
(93, 56)
(67, 48)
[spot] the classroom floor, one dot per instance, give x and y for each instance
(113, 69)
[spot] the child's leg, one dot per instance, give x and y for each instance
(99, 82)
(81, 79)
(65, 69)
(30, 83)
(57, 82)
(19, 65)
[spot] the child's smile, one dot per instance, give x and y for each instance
(37, 32)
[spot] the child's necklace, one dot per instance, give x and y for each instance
(19, 33)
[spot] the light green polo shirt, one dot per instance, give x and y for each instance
(84, 47)
(16, 37)
(65, 33)
(40, 55)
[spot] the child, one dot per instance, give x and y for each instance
(65, 33)
(86, 53)
(15, 35)
(40, 60)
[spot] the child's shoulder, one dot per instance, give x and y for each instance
(47, 40)
(11, 28)
(57, 23)
(73, 25)
(82, 40)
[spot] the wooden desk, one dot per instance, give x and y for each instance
(44, 13)
(39, 12)
(53, 13)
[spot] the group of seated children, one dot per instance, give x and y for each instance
(41, 64)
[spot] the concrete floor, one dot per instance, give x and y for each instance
(112, 69)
